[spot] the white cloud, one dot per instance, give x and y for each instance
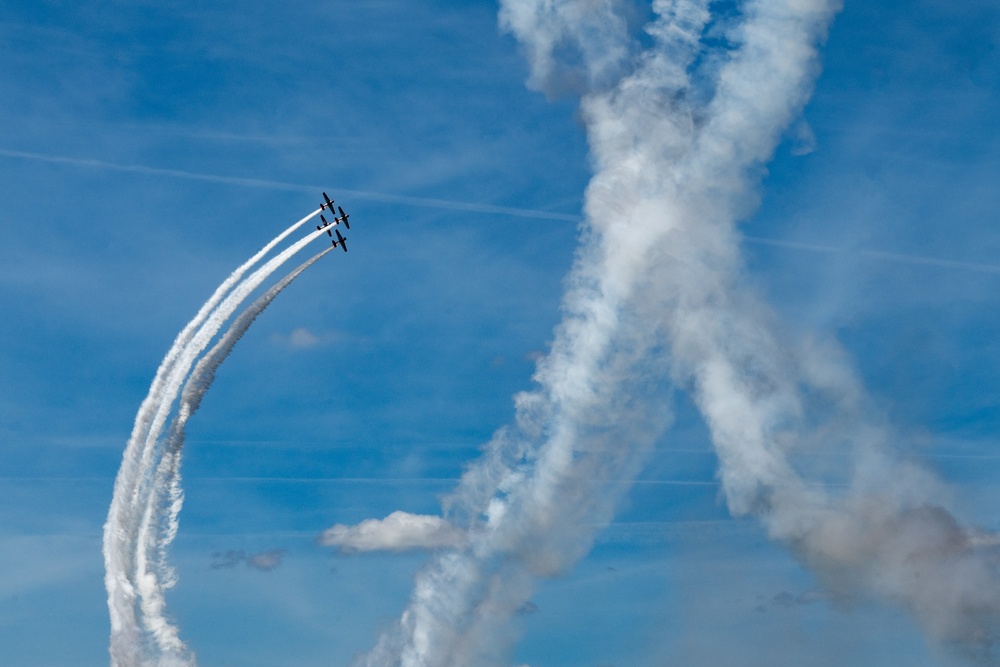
(303, 338)
(400, 531)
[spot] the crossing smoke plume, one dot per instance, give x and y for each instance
(142, 519)
(680, 124)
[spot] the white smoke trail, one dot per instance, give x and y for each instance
(168, 367)
(160, 518)
(679, 133)
(120, 522)
(133, 484)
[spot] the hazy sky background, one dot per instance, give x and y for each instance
(146, 149)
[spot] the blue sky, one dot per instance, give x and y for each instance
(147, 149)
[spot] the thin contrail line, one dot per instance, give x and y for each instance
(931, 261)
(792, 245)
(900, 258)
(426, 202)
(452, 205)
(195, 534)
(338, 480)
(422, 480)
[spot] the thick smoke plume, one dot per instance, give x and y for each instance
(680, 123)
(141, 524)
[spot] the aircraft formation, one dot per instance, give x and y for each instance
(340, 241)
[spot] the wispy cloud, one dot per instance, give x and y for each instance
(787, 600)
(264, 561)
(303, 338)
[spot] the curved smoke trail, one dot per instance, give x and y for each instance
(120, 523)
(679, 132)
(133, 485)
(160, 518)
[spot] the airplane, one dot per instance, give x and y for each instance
(327, 223)
(328, 204)
(343, 217)
(341, 241)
